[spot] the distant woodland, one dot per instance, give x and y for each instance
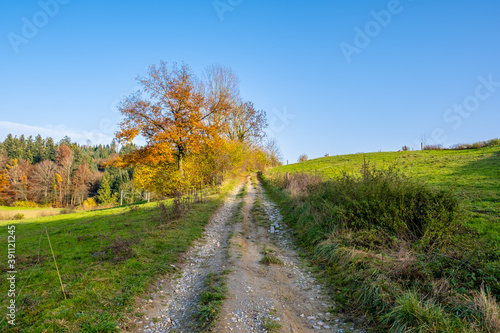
(41, 171)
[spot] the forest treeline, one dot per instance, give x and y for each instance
(198, 131)
(41, 171)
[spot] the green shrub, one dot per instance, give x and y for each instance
(18, 216)
(270, 325)
(384, 200)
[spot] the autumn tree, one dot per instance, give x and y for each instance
(302, 158)
(274, 152)
(245, 123)
(4, 183)
(64, 160)
(43, 180)
(170, 117)
(81, 182)
(17, 177)
(196, 131)
(178, 116)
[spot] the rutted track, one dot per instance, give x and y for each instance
(259, 296)
(262, 296)
(172, 305)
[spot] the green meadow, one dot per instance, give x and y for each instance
(474, 174)
(106, 258)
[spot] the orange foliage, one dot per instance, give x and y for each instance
(170, 119)
(4, 183)
(195, 133)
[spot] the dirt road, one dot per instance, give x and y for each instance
(269, 289)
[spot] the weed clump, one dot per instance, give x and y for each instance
(271, 325)
(269, 259)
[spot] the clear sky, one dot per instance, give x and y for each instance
(335, 77)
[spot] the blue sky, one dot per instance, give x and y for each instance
(419, 68)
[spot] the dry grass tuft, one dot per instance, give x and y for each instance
(297, 184)
(487, 305)
(405, 263)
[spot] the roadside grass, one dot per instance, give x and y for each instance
(211, 300)
(106, 258)
(472, 174)
(394, 249)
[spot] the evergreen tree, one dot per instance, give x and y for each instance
(65, 141)
(38, 149)
(10, 146)
(127, 149)
(50, 149)
(28, 156)
(28, 152)
(104, 195)
(22, 142)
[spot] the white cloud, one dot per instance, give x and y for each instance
(56, 132)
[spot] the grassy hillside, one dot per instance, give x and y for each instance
(411, 245)
(105, 258)
(474, 174)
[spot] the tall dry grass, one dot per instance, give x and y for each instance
(487, 305)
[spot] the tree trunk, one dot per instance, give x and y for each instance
(181, 169)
